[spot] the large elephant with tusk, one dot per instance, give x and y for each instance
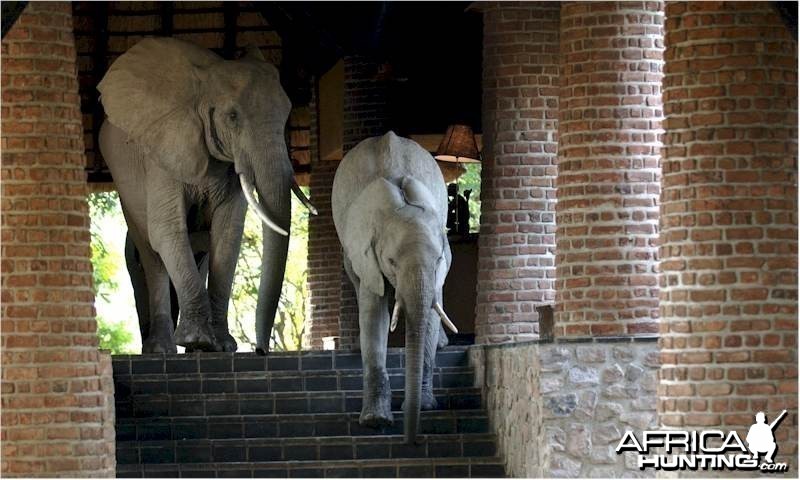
(191, 140)
(389, 205)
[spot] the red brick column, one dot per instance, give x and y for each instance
(520, 122)
(729, 220)
(57, 393)
(608, 168)
(324, 250)
(365, 115)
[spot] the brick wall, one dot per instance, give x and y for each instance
(365, 115)
(520, 121)
(57, 392)
(729, 220)
(324, 251)
(608, 168)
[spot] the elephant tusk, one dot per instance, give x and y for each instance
(444, 317)
(248, 188)
(395, 316)
(302, 197)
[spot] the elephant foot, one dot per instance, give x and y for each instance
(226, 341)
(196, 337)
(377, 415)
(159, 344)
(377, 409)
(442, 341)
(427, 401)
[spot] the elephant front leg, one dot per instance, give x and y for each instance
(227, 225)
(170, 239)
(373, 321)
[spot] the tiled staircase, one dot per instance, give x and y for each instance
(290, 415)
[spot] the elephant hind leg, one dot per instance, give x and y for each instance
(201, 259)
(159, 334)
(139, 284)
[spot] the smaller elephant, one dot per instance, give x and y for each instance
(389, 207)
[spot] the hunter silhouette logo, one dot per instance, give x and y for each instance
(707, 449)
(760, 438)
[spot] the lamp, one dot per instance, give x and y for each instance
(458, 146)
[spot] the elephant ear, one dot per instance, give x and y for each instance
(151, 93)
(367, 211)
(416, 193)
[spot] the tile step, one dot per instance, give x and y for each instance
(479, 467)
(282, 381)
(204, 362)
(203, 405)
(289, 426)
(304, 449)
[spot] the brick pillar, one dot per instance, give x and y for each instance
(57, 392)
(608, 168)
(365, 115)
(324, 251)
(729, 220)
(520, 124)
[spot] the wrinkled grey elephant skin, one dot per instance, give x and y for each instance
(389, 205)
(188, 137)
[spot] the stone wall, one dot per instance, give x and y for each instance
(57, 392)
(559, 409)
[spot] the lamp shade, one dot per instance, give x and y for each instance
(458, 145)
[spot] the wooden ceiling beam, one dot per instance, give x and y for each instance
(231, 14)
(99, 67)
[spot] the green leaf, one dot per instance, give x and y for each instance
(114, 336)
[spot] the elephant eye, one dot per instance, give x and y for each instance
(232, 116)
(392, 262)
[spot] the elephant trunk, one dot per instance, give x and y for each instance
(416, 309)
(273, 182)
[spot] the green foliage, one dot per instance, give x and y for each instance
(287, 332)
(104, 203)
(471, 180)
(104, 262)
(114, 336)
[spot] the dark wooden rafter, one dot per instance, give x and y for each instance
(166, 12)
(296, 27)
(231, 15)
(99, 67)
(11, 12)
(300, 168)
